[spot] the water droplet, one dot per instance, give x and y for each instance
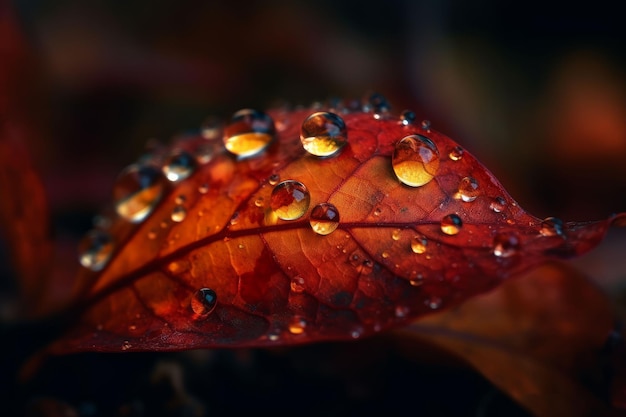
(415, 160)
(179, 166)
(426, 125)
(505, 244)
(468, 189)
(378, 211)
(95, 250)
(401, 311)
(259, 202)
(126, 345)
(152, 235)
(418, 244)
(297, 325)
(290, 200)
(407, 117)
(137, 191)
(417, 281)
(273, 179)
(456, 153)
(203, 303)
(249, 133)
(451, 224)
(323, 134)
(375, 103)
(395, 235)
(356, 332)
(324, 218)
(297, 284)
(434, 302)
(498, 205)
(178, 214)
(203, 188)
(552, 226)
(211, 128)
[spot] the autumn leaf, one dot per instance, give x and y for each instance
(300, 226)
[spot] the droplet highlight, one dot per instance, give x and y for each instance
(203, 303)
(552, 226)
(451, 224)
(95, 250)
(249, 133)
(137, 191)
(468, 189)
(505, 244)
(179, 166)
(415, 160)
(324, 218)
(290, 200)
(323, 134)
(407, 117)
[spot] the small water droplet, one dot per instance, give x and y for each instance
(273, 179)
(259, 202)
(356, 332)
(434, 302)
(396, 234)
(290, 200)
(95, 250)
(419, 244)
(179, 166)
(375, 103)
(417, 280)
(126, 345)
(407, 117)
(203, 302)
(378, 211)
(505, 244)
(178, 214)
(498, 205)
(249, 133)
(552, 226)
(234, 219)
(297, 284)
(415, 160)
(180, 199)
(323, 134)
(324, 218)
(152, 235)
(273, 337)
(137, 191)
(401, 311)
(203, 188)
(211, 128)
(456, 153)
(297, 325)
(426, 125)
(468, 189)
(451, 224)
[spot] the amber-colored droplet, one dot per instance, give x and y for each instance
(396, 234)
(203, 303)
(179, 166)
(95, 250)
(415, 160)
(178, 214)
(323, 134)
(290, 200)
(552, 226)
(137, 191)
(324, 218)
(451, 224)
(249, 133)
(297, 325)
(297, 284)
(418, 244)
(505, 244)
(456, 153)
(468, 189)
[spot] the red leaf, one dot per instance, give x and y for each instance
(398, 252)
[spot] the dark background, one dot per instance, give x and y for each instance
(536, 90)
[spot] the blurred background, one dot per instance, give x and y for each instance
(536, 90)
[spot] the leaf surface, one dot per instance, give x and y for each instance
(278, 282)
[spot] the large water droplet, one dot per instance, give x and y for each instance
(95, 250)
(297, 325)
(203, 303)
(137, 191)
(419, 244)
(178, 214)
(552, 226)
(290, 200)
(324, 218)
(323, 134)
(505, 244)
(451, 224)
(468, 189)
(249, 133)
(415, 160)
(179, 166)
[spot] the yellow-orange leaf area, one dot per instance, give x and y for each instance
(225, 255)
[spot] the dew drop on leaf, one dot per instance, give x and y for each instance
(552, 226)
(297, 284)
(468, 189)
(407, 117)
(273, 179)
(418, 244)
(95, 250)
(203, 188)
(415, 160)
(498, 205)
(375, 103)
(211, 128)
(456, 153)
(259, 202)
(324, 218)
(249, 133)
(290, 200)
(323, 134)
(396, 234)
(401, 311)
(505, 244)
(178, 214)
(137, 191)
(297, 325)
(179, 166)
(451, 224)
(203, 303)
(426, 125)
